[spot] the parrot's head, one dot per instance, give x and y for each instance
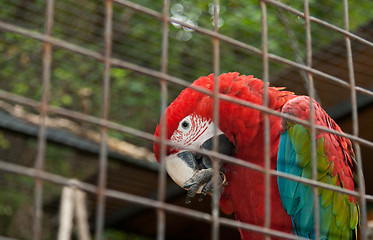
(189, 123)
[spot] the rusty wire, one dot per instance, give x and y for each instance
(161, 215)
(355, 126)
(103, 155)
(311, 92)
(138, 133)
(267, 150)
(102, 192)
(41, 149)
(216, 68)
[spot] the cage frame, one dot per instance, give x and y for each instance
(102, 192)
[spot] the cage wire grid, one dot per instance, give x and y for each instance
(102, 192)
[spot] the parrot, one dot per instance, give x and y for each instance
(189, 122)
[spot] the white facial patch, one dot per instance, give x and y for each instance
(192, 131)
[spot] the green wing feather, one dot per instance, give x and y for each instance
(339, 213)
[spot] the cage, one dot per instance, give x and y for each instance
(84, 83)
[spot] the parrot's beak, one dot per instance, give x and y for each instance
(183, 165)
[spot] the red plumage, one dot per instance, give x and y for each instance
(337, 147)
(243, 126)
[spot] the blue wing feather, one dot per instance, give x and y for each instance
(286, 163)
(287, 188)
(294, 158)
(296, 198)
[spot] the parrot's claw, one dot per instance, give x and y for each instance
(202, 178)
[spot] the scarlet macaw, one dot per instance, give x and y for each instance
(241, 134)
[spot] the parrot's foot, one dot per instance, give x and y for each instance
(202, 178)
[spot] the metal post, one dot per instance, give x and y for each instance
(311, 89)
(161, 215)
(355, 129)
(103, 159)
(160, 205)
(40, 158)
(267, 147)
(215, 165)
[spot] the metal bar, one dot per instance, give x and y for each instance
(216, 65)
(6, 166)
(57, 179)
(267, 147)
(41, 147)
(161, 215)
(155, 14)
(140, 8)
(138, 133)
(295, 47)
(51, 40)
(157, 74)
(273, 172)
(255, 50)
(311, 90)
(82, 117)
(321, 22)
(355, 128)
(106, 125)
(103, 159)
(32, 172)
(264, 231)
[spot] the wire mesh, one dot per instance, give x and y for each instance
(109, 59)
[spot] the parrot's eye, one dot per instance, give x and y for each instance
(185, 124)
